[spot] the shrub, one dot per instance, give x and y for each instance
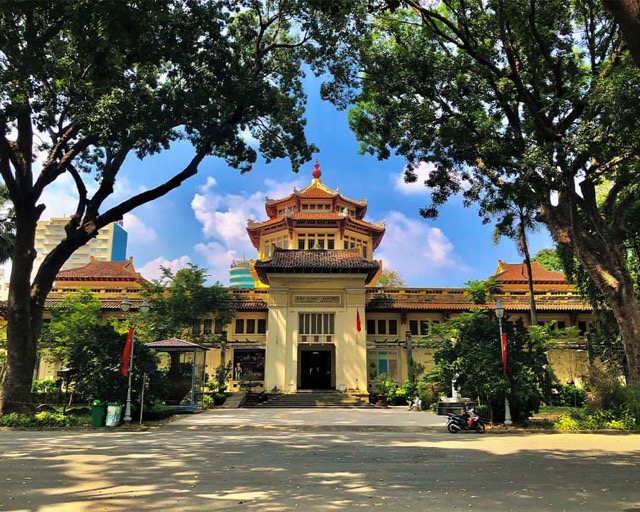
(567, 395)
(566, 424)
(41, 420)
(46, 391)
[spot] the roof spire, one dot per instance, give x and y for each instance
(316, 170)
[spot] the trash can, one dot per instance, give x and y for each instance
(98, 413)
(114, 410)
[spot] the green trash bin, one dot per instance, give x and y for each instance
(98, 413)
(114, 411)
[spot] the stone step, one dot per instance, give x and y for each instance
(310, 399)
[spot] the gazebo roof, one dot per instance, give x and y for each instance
(175, 345)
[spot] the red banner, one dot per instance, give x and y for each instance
(358, 323)
(126, 354)
(503, 344)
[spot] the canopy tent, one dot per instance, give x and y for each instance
(179, 383)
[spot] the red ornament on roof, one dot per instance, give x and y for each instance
(316, 170)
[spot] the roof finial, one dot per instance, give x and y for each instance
(316, 170)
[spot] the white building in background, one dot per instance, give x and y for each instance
(109, 245)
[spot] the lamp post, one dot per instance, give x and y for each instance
(410, 368)
(499, 311)
(125, 306)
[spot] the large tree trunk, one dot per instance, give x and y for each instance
(26, 310)
(603, 257)
(21, 343)
(627, 14)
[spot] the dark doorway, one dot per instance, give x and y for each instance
(315, 368)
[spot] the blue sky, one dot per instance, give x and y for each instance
(203, 222)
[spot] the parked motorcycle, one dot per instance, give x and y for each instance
(459, 422)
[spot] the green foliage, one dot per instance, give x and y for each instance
(469, 345)
(110, 81)
(72, 321)
(41, 420)
(390, 279)
(567, 395)
(481, 291)
(46, 391)
(7, 225)
(566, 424)
(384, 385)
(97, 363)
(181, 298)
(548, 259)
(429, 388)
(512, 105)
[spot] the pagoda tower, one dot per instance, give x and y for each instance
(315, 253)
(315, 217)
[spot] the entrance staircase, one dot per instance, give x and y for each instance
(303, 399)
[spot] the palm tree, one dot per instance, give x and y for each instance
(516, 220)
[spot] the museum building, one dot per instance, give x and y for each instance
(316, 318)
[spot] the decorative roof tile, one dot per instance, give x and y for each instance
(315, 261)
(517, 273)
(97, 270)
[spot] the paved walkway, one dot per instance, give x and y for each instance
(336, 419)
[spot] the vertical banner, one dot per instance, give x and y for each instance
(126, 354)
(503, 344)
(358, 323)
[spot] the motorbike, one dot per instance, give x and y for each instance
(459, 422)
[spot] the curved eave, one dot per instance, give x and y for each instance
(264, 274)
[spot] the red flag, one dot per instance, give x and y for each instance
(358, 323)
(126, 354)
(503, 344)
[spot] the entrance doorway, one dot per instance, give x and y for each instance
(315, 369)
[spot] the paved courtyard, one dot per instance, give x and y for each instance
(329, 460)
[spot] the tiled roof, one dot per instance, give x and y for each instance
(315, 261)
(105, 304)
(247, 305)
(97, 270)
(436, 300)
(174, 345)
(517, 273)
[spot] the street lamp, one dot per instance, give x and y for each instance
(410, 368)
(499, 311)
(125, 306)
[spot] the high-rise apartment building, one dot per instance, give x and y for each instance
(109, 245)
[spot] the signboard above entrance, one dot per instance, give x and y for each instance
(315, 300)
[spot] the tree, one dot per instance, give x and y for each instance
(528, 99)
(179, 300)
(627, 14)
(73, 321)
(390, 279)
(480, 291)
(548, 259)
(515, 220)
(7, 225)
(469, 345)
(85, 86)
(79, 338)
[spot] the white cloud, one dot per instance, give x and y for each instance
(218, 258)
(224, 216)
(138, 231)
(422, 171)
(416, 251)
(151, 269)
